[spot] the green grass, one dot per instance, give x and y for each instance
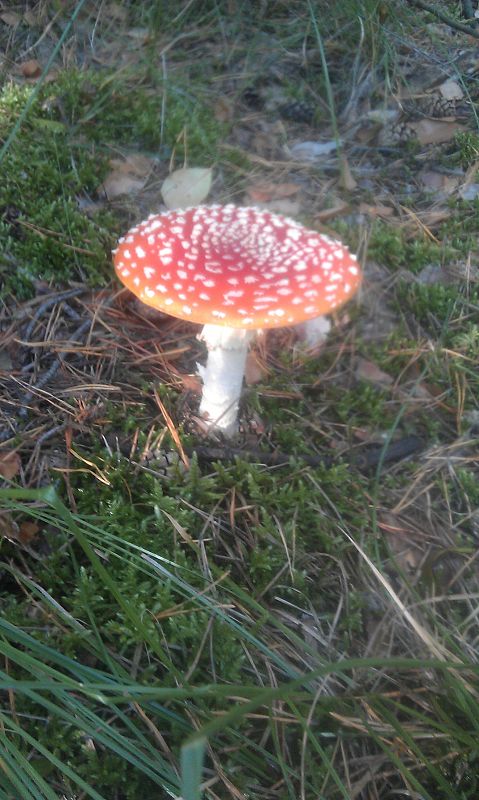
(75, 692)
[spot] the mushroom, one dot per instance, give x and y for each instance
(235, 270)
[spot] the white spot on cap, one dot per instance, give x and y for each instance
(186, 310)
(148, 272)
(161, 288)
(149, 292)
(218, 314)
(204, 296)
(127, 254)
(140, 252)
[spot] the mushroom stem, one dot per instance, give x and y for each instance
(314, 332)
(223, 375)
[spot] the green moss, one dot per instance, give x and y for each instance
(391, 247)
(61, 155)
(467, 143)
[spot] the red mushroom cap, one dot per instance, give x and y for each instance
(237, 267)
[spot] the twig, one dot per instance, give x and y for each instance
(452, 23)
(49, 302)
(51, 372)
(364, 459)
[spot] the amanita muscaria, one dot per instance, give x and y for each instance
(235, 270)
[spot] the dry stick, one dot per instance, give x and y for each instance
(51, 372)
(452, 23)
(367, 458)
(49, 302)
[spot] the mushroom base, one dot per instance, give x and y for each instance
(223, 375)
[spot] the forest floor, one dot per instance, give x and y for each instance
(292, 614)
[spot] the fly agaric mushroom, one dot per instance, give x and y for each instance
(235, 270)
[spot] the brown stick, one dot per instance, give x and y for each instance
(458, 26)
(364, 458)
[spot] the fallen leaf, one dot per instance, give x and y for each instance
(116, 185)
(404, 541)
(347, 179)
(368, 371)
(285, 206)
(376, 211)
(11, 18)
(436, 131)
(265, 191)
(469, 192)
(383, 116)
(254, 370)
(451, 90)
(10, 464)
(438, 182)
(186, 187)
(340, 207)
(31, 68)
(191, 383)
(31, 18)
(311, 151)
(223, 109)
(8, 528)
(142, 35)
(128, 175)
(27, 531)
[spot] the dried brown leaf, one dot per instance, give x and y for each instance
(434, 181)
(254, 370)
(128, 175)
(376, 211)
(339, 207)
(368, 371)
(265, 191)
(347, 179)
(11, 18)
(436, 131)
(10, 464)
(223, 109)
(31, 68)
(27, 531)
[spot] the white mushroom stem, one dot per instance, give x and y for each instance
(314, 332)
(223, 375)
